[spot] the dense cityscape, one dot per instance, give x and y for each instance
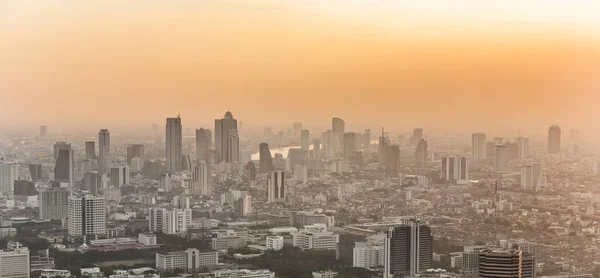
(226, 201)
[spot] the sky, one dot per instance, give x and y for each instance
(465, 65)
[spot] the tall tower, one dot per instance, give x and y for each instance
(223, 128)
(523, 144)
(304, 140)
(43, 131)
(103, 150)
(90, 150)
(392, 161)
(64, 168)
(54, 202)
(276, 187)
(202, 144)
(9, 172)
(383, 148)
(421, 152)
(201, 179)
(349, 144)
(455, 168)
(265, 159)
(135, 150)
(478, 147)
(408, 250)
(338, 127)
(87, 215)
(174, 142)
(554, 139)
(233, 147)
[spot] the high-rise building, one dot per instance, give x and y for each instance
(233, 147)
(43, 131)
(103, 150)
(202, 144)
(265, 158)
(421, 153)
(495, 263)
(329, 141)
(9, 173)
(338, 127)
(54, 202)
(64, 167)
(119, 175)
(243, 206)
(554, 139)
(304, 140)
(60, 146)
(176, 221)
(250, 171)
(316, 148)
(276, 187)
(223, 128)
(87, 215)
(531, 176)
(155, 219)
(186, 163)
(297, 130)
(174, 144)
(90, 150)
(15, 263)
(523, 145)
(392, 161)
(134, 150)
(383, 148)
(136, 164)
(368, 255)
(296, 157)
(478, 146)
(349, 145)
(416, 136)
(201, 179)
(367, 138)
(301, 173)
(502, 158)
(408, 250)
(455, 168)
(154, 128)
(470, 261)
(92, 182)
(35, 171)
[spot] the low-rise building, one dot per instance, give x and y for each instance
(315, 237)
(243, 273)
(275, 242)
(226, 242)
(188, 260)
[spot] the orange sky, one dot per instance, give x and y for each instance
(465, 66)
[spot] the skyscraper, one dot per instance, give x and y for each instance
(392, 161)
(35, 170)
(43, 131)
(60, 146)
(174, 144)
(408, 250)
(15, 263)
(233, 147)
(349, 144)
(502, 158)
(523, 144)
(119, 175)
(202, 144)
(201, 179)
(54, 202)
(297, 130)
(87, 215)
(316, 148)
(554, 139)
(223, 128)
(92, 181)
(265, 158)
(64, 168)
(506, 264)
(455, 168)
(243, 206)
(9, 172)
(304, 140)
(90, 150)
(416, 137)
(338, 127)
(276, 187)
(478, 146)
(421, 152)
(135, 150)
(103, 150)
(383, 148)
(531, 176)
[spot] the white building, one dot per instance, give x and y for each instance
(176, 221)
(147, 239)
(531, 177)
(315, 237)
(368, 255)
(324, 274)
(165, 182)
(9, 172)
(275, 242)
(14, 263)
(201, 179)
(243, 273)
(189, 260)
(87, 215)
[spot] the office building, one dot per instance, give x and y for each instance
(35, 171)
(523, 147)
(276, 186)
(243, 206)
(87, 215)
(265, 158)
(186, 163)
(300, 173)
(136, 165)
(43, 131)
(224, 242)
(15, 263)
(92, 182)
(201, 179)
(349, 145)
(383, 149)
(554, 139)
(60, 146)
(119, 175)
(408, 250)
(190, 260)
(53, 202)
(274, 242)
(503, 156)
(173, 144)
(315, 237)
(304, 140)
(416, 137)
(203, 144)
(368, 255)
(531, 177)
(233, 147)
(164, 182)
(421, 153)
(243, 273)
(250, 171)
(223, 131)
(9, 173)
(338, 128)
(156, 219)
(90, 150)
(495, 263)
(470, 261)
(134, 150)
(296, 157)
(455, 168)
(64, 168)
(103, 151)
(176, 221)
(478, 146)
(316, 151)
(392, 163)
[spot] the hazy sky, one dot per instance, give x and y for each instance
(461, 64)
